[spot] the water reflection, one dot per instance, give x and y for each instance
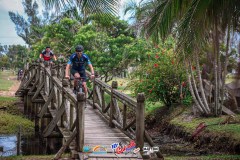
(30, 145)
(36, 145)
(8, 145)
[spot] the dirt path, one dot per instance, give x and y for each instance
(13, 88)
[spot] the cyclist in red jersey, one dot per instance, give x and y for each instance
(48, 55)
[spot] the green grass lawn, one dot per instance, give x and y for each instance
(122, 85)
(190, 124)
(9, 124)
(11, 118)
(5, 81)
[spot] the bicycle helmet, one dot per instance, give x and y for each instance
(79, 48)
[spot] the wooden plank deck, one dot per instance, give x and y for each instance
(98, 133)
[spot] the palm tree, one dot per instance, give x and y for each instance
(138, 13)
(85, 6)
(196, 24)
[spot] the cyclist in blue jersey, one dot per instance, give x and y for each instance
(78, 60)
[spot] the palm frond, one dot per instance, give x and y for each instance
(162, 18)
(91, 6)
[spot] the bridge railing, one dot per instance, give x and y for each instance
(122, 111)
(50, 101)
(49, 96)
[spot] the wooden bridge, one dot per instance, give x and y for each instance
(89, 126)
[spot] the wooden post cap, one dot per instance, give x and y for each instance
(81, 96)
(114, 84)
(65, 82)
(140, 97)
(96, 74)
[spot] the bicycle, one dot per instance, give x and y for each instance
(19, 78)
(79, 87)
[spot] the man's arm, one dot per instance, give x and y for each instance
(67, 71)
(54, 57)
(40, 56)
(92, 70)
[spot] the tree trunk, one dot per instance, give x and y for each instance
(218, 108)
(191, 87)
(192, 92)
(201, 85)
(195, 88)
(225, 65)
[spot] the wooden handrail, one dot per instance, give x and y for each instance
(67, 109)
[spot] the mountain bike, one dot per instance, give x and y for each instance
(79, 86)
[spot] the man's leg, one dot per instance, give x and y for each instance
(76, 75)
(83, 75)
(85, 89)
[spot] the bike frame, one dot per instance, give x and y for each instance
(79, 86)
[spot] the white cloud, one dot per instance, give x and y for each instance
(8, 34)
(11, 5)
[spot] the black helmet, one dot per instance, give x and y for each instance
(79, 48)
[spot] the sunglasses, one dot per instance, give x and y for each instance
(78, 52)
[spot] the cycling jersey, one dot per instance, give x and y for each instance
(47, 56)
(78, 63)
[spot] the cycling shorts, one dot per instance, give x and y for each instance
(82, 74)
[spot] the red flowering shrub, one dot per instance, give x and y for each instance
(161, 78)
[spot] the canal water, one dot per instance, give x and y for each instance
(30, 145)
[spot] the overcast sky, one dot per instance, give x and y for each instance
(8, 35)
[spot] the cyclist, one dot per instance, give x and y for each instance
(48, 55)
(78, 60)
(20, 74)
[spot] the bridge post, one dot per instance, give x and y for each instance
(65, 83)
(62, 71)
(37, 77)
(53, 74)
(114, 86)
(81, 103)
(94, 94)
(140, 118)
(25, 101)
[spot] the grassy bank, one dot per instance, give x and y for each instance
(11, 118)
(9, 124)
(214, 126)
(5, 101)
(32, 157)
(5, 80)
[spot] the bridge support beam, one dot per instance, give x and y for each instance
(81, 104)
(114, 86)
(140, 120)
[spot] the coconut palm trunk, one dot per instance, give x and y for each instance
(217, 70)
(198, 106)
(203, 95)
(225, 65)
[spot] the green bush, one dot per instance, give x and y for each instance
(161, 77)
